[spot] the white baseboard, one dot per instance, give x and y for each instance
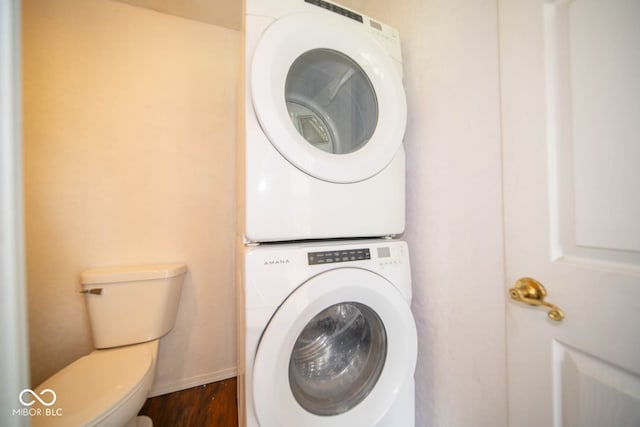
(185, 383)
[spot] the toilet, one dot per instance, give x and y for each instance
(129, 308)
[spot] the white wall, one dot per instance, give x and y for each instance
(129, 144)
(454, 206)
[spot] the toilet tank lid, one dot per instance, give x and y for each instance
(130, 273)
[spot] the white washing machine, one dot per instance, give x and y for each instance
(329, 339)
(324, 116)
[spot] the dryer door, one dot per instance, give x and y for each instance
(328, 97)
(335, 353)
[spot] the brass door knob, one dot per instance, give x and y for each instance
(532, 292)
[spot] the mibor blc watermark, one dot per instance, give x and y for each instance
(43, 404)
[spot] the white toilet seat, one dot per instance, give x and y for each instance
(94, 388)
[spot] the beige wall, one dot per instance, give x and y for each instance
(129, 145)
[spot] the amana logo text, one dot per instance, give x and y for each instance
(276, 261)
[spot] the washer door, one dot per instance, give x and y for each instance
(328, 97)
(335, 353)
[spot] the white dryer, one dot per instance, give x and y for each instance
(324, 117)
(329, 339)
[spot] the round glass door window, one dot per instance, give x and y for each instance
(337, 358)
(331, 101)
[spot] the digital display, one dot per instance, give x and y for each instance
(375, 25)
(384, 252)
(335, 9)
(329, 257)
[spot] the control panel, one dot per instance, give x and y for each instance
(384, 34)
(329, 257)
(382, 254)
(336, 9)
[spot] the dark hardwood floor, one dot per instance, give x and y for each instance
(210, 405)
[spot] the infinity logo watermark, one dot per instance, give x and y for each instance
(46, 398)
(36, 397)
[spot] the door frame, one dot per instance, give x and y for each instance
(14, 359)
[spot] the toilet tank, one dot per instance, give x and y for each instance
(132, 304)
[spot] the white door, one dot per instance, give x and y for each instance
(328, 96)
(570, 77)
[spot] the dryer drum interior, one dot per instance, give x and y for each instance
(331, 101)
(337, 358)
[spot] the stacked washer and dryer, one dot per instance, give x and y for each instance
(326, 335)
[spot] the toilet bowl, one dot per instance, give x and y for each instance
(104, 388)
(130, 308)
